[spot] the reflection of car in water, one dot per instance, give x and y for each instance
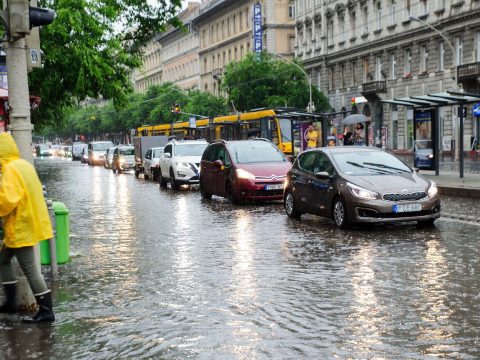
(424, 158)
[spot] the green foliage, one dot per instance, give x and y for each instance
(89, 52)
(153, 107)
(261, 80)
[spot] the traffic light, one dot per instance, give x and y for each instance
(19, 18)
(176, 109)
(354, 106)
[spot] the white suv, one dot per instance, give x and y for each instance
(180, 163)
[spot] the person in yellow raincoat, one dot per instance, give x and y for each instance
(26, 222)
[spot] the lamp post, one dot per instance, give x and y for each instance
(311, 105)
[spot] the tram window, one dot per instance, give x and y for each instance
(274, 132)
(285, 129)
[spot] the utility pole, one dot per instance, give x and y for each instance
(18, 18)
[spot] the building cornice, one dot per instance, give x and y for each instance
(213, 9)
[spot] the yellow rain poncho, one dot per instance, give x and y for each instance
(22, 205)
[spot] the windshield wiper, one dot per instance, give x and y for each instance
(368, 168)
(386, 167)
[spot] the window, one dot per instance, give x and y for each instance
(365, 70)
(441, 56)
(423, 7)
(365, 19)
(291, 9)
(458, 50)
(477, 45)
(393, 66)
(354, 73)
(352, 23)
(341, 26)
(441, 4)
(407, 63)
(330, 32)
(240, 21)
(378, 68)
(291, 40)
(423, 58)
(393, 9)
(408, 9)
(379, 15)
(319, 78)
(343, 76)
(331, 80)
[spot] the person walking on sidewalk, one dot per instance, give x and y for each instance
(26, 222)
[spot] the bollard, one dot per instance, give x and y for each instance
(52, 243)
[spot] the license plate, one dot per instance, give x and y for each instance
(407, 208)
(274, 187)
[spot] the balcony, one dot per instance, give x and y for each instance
(217, 73)
(374, 87)
(468, 71)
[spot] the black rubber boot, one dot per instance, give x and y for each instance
(10, 305)
(45, 312)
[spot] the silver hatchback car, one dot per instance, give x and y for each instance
(359, 185)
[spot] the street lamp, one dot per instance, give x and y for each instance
(311, 105)
(444, 37)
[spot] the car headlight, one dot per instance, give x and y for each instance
(182, 164)
(361, 192)
(243, 174)
(432, 190)
(121, 161)
(430, 156)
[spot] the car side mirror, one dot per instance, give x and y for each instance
(322, 175)
(167, 155)
(290, 159)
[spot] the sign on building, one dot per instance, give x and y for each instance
(257, 28)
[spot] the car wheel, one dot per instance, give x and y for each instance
(161, 180)
(113, 169)
(426, 223)
(290, 206)
(173, 183)
(339, 213)
(203, 193)
(230, 194)
(154, 174)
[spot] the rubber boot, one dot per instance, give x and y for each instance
(10, 305)
(45, 312)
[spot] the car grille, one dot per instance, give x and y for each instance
(405, 196)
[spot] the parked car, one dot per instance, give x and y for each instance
(243, 170)
(84, 156)
(42, 150)
(109, 157)
(424, 158)
(96, 152)
(151, 164)
(77, 150)
(180, 162)
(123, 158)
(359, 185)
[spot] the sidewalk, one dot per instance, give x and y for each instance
(450, 183)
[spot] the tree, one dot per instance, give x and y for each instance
(261, 80)
(91, 49)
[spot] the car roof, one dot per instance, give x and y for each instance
(346, 149)
(188, 142)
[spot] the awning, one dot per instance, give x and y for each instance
(434, 100)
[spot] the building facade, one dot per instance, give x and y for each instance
(180, 52)
(225, 33)
(382, 49)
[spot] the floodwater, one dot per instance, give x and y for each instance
(157, 274)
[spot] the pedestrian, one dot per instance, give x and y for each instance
(26, 222)
(359, 135)
(311, 136)
(347, 136)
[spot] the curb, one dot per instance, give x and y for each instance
(460, 192)
(471, 219)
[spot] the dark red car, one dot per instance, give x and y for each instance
(243, 170)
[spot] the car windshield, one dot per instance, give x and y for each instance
(369, 163)
(157, 153)
(255, 152)
(43, 147)
(423, 144)
(190, 149)
(126, 151)
(79, 147)
(101, 146)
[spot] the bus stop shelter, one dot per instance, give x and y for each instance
(435, 101)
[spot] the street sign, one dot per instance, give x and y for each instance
(192, 122)
(257, 28)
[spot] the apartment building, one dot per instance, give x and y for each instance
(171, 56)
(383, 49)
(225, 30)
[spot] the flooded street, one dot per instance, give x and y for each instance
(158, 274)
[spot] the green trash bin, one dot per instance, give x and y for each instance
(62, 236)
